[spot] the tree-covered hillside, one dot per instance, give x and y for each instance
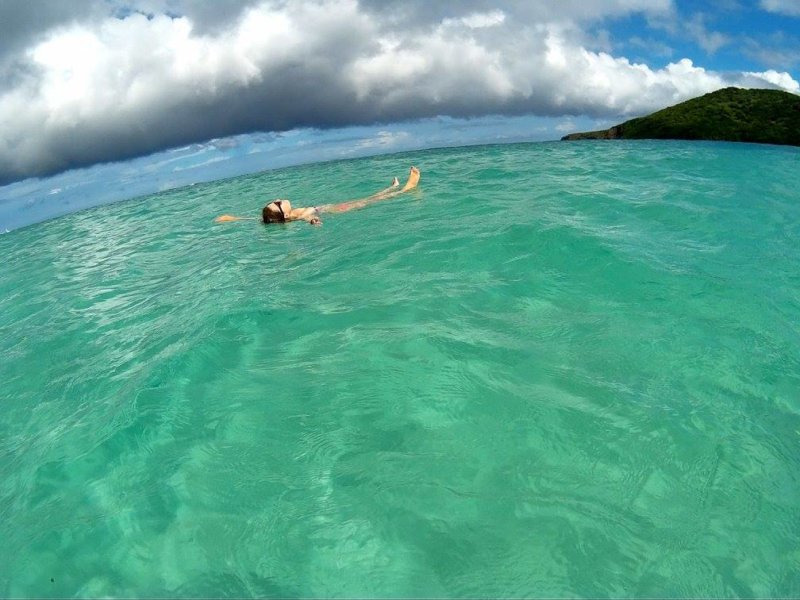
(731, 114)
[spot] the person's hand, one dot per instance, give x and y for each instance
(315, 221)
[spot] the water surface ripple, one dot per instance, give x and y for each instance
(553, 370)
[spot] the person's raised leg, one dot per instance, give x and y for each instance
(389, 190)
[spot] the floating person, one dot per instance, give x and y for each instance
(281, 211)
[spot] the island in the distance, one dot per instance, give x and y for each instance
(730, 114)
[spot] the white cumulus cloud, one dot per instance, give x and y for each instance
(112, 86)
(779, 80)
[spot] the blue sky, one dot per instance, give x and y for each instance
(102, 100)
(720, 36)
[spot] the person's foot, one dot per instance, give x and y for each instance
(413, 179)
(395, 182)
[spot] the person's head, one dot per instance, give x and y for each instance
(276, 211)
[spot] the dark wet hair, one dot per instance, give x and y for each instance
(266, 217)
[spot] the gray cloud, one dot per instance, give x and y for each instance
(106, 82)
(24, 23)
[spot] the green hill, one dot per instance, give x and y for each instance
(730, 114)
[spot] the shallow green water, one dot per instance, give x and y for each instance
(554, 370)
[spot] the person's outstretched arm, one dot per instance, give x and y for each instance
(229, 218)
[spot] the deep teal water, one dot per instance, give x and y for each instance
(555, 369)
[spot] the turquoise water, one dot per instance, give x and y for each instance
(554, 369)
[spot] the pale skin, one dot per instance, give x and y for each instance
(281, 211)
